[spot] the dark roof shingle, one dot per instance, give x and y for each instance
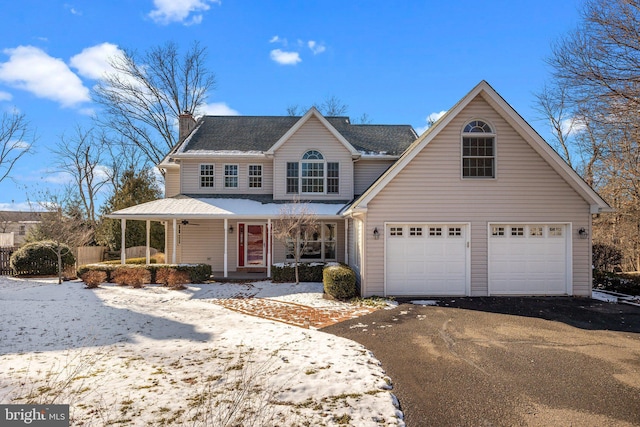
(259, 133)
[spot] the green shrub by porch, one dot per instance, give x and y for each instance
(41, 258)
(198, 273)
(339, 281)
(286, 273)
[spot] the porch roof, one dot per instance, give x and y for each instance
(209, 207)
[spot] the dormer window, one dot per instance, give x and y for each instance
(313, 175)
(478, 150)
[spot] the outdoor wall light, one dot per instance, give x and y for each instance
(376, 233)
(583, 233)
(231, 229)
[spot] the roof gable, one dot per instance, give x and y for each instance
(484, 90)
(313, 112)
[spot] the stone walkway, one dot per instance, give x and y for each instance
(293, 314)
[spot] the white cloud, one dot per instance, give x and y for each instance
(315, 47)
(185, 11)
(5, 96)
(276, 39)
(431, 118)
(572, 126)
(285, 58)
(217, 109)
(31, 69)
(93, 62)
(72, 9)
(20, 206)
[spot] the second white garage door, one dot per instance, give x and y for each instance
(528, 259)
(426, 259)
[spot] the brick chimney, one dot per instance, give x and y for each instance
(186, 123)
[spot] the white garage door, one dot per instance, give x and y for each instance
(426, 259)
(528, 259)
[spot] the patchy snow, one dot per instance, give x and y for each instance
(154, 356)
(601, 296)
(424, 302)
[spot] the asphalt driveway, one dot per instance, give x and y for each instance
(508, 361)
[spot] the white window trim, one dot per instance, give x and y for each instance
(495, 150)
(249, 176)
(325, 178)
(225, 176)
(213, 175)
(323, 240)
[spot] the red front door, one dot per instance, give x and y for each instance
(252, 245)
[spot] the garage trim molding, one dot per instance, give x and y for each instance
(568, 239)
(467, 226)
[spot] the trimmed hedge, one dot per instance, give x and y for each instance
(41, 258)
(137, 261)
(286, 273)
(198, 273)
(339, 281)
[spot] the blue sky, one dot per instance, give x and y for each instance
(396, 61)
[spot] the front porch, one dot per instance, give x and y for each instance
(240, 276)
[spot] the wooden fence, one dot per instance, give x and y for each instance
(5, 256)
(90, 254)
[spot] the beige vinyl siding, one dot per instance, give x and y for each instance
(313, 135)
(190, 174)
(204, 243)
(366, 171)
(430, 189)
(355, 246)
(172, 182)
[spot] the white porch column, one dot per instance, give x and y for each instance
(175, 241)
(226, 243)
(269, 247)
(346, 241)
(123, 230)
(148, 253)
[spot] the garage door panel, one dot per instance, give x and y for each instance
(528, 259)
(424, 259)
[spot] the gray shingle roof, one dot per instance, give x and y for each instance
(259, 133)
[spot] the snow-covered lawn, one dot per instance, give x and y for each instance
(153, 356)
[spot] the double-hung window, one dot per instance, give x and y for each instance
(478, 150)
(206, 175)
(313, 175)
(255, 176)
(230, 176)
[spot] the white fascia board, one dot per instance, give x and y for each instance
(219, 154)
(313, 112)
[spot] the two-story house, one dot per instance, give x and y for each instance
(478, 205)
(15, 225)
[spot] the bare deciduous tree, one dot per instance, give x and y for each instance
(295, 228)
(597, 83)
(81, 156)
(144, 95)
(16, 140)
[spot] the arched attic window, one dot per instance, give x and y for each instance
(478, 150)
(313, 175)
